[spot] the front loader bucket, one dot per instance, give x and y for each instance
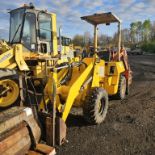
(59, 136)
(52, 134)
(60, 131)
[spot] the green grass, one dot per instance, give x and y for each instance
(148, 47)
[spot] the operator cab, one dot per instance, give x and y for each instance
(32, 28)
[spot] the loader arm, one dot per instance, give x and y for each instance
(74, 90)
(12, 57)
(7, 60)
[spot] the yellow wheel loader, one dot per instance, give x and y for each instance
(50, 83)
(90, 81)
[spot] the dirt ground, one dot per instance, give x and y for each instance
(129, 127)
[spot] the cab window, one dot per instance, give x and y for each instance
(29, 31)
(45, 31)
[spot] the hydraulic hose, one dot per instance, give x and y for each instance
(70, 71)
(68, 75)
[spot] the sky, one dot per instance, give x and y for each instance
(69, 13)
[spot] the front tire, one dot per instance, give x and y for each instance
(95, 106)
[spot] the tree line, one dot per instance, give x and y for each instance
(143, 35)
(140, 33)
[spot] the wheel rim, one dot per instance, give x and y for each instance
(101, 106)
(9, 92)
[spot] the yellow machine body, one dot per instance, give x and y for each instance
(111, 79)
(95, 74)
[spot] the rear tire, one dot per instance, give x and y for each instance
(127, 90)
(95, 106)
(122, 87)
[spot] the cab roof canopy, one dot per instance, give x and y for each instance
(101, 18)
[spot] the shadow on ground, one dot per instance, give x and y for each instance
(76, 121)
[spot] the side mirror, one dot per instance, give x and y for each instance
(33, 47)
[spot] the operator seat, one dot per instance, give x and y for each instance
(105, 55)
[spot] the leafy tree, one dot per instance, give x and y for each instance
(146, 29)
(126, 39)
(139, 31)
(78, 40)
(87, 37)
(152, 34)
(104, 40)
(133, 31)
